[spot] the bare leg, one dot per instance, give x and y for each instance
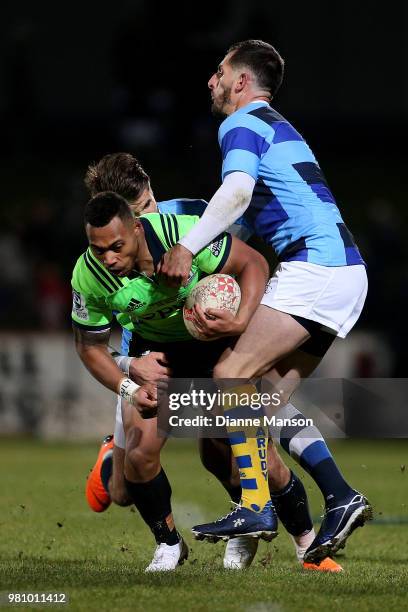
(117, 486)
(146, 481)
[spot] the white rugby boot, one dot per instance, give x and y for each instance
(240, 552)
(166, 558)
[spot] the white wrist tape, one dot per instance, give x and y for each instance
(127, 389)
(228, 203)
(123, 362)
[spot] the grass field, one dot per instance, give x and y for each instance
(50, 541)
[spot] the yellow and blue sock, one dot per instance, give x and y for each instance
(249, 447)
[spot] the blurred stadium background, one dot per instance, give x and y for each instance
(85, 80)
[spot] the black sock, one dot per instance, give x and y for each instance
(106, 470)
(152, 499)
(292, 507)
(235, 493)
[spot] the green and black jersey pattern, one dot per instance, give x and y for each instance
(142, 304)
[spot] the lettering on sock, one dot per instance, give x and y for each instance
(261, 441)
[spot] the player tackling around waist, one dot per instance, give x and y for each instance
(273, 183)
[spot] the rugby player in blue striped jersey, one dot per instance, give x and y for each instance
(272, 181)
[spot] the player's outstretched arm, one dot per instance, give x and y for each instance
(252, 272)
(92, 348)
(226, 206)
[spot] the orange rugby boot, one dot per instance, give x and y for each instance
(97, 497)
(327, 565)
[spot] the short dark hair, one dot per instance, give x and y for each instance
(262, 59)
(118, 172)
(102, 208)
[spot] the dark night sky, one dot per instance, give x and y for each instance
(348, 61)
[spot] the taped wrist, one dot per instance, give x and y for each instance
(127, 390)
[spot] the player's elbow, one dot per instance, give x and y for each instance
(257, 262)
(83, 350)
(263, 266)
(237, 190)
(241, 199)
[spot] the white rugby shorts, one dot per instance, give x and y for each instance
(332, 296)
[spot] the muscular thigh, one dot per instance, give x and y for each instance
(270, 337)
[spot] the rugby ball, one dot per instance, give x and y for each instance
(215, 291)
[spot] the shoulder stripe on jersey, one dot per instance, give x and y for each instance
(117, 282)
(170, 228)
(310, 172)
(284, 132)
(154, 244)
(166, 236)
(245, 139)
(176, 227)
(96, 274)
(267, 114)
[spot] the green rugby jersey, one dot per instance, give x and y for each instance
(141, 304)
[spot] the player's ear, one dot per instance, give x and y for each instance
(241, 82)
(137, 225)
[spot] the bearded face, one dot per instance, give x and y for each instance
(220, 102)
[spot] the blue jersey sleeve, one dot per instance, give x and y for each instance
(126, 338)
(182, 206)
(242, 144)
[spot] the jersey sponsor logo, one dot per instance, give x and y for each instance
(133, 304)
(215, 247)
(79, 308)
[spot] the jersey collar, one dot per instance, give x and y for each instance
(251, 106)
(154, 245)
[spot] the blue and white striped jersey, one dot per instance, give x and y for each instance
(292, 207)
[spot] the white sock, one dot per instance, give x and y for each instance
(302, 543)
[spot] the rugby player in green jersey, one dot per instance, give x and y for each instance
(116, 277)
(122, 173)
